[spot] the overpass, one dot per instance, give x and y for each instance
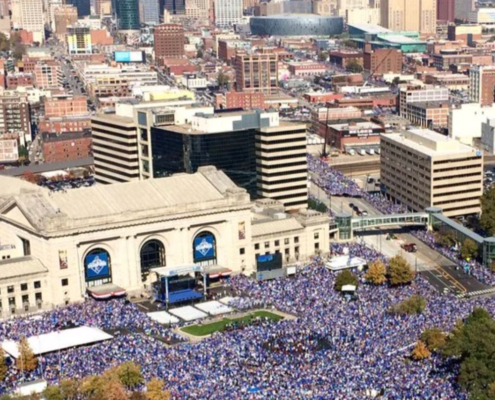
(375, 221)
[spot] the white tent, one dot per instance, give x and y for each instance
(344, 262)
(349, 288)
(55, 341)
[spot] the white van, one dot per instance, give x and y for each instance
(371, 152)
(362, 152)
(351, 152)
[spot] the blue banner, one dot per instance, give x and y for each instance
(204, 248)
(265, 258)
(97, 266)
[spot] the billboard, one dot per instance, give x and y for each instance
(97, 266)
(129, 56)
(269, 262)
(204, 248)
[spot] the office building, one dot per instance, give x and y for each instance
(463, 8)
(256, 72)
(139, 226)
(48, 74)
(9, 149)
(150, 12)
(128, 15)
(67, 147)
(431, 115)
(65, 106)
(64, 16)
(325, 7)
(465, 121)
(169, 41)
(409, 15)
(422, 168)
(466, 33)
(382, 61)
(32, 18)
(364, 15)
(83, 7)
(418, 94)
(446, 10)
(79, 40)
(482, 16)
(198, 9)
(227, 13)
(482, 84)
(281, 165)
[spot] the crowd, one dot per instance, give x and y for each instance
(335, 183)
(476, 269)
(335, 349)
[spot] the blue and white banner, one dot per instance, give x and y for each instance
(97, 266)
(265, 258)
(204, 248)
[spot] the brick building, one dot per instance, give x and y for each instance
(482, 84)
(64, 124)
(65, 106)
(48, 75)
(446, 10)
(15, 115)
(256, 73)
(382, 61)
(169, 42)
(353, 134)
(301, 69)
(101, 37)
(242, 100)
(20, 79)
(66, 147)
(343, 57)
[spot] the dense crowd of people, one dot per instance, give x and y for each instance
(334, 349)
(476, 269)
(335, 183)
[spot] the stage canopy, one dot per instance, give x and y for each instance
(345, 262)
(54, 341)
(106, 291)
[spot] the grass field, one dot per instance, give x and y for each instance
(208, 329)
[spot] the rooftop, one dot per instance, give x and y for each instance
(354, 125)
(370, 28)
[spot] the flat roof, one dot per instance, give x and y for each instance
(38, 169)
(370, 28)
(400, 39)
(357, 125)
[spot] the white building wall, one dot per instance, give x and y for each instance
(465, 121)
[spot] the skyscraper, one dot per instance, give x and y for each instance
(174, 7)
(409, 15)
(150, 11)
(463, 8)
(32, 18)
(83, 7)
(169, 41)
(128, 15)
(227, 12)
(446, 10)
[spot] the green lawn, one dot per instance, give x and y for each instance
(208, 329)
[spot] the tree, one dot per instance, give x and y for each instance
(412, 306)
(28, 176)
(445, 240)
(222, 79)
(23, 154)
(349, 43)
(3, 365)
(323, 56)
(354, 67)
(420, 351)
(137, 396)
(26, 360)
(199, 54)
(472, 344)
(93, 388)
(396, 81)
(129, 374)
(487, 219)
(69, 388)
(18, 51)
(115, 391)
(154, 390)
(400, 271)
(346, 277)
(53, 393)
(434, 339)
(376, 273)
(469, 249)
(4, 42)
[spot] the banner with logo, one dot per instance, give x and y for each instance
(97, 266)
(242, 230)
(204, 248)
(62, 259)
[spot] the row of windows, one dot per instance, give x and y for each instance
(457, 168)
(23, 287)
(269, 142)
(284, 189)
(455, 193)
(287, 157)
(296, 164)
(457, 201)
(457, 184)
(97, 130)
(276, 243)
(105, 168)
(458, 176)
(265, 150)
(281, 173)
(456, 160)
(104, 146)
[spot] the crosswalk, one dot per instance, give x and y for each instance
(476, 293)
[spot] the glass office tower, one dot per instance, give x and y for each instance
(128, 15)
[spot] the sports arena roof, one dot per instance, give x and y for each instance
(370, 28)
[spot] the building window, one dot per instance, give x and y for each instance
(317, 235)
(37, 284)
(256, 246)
(296, 239)
(65, 282)
(242, 251)
(26, 247)
(24, 287)
(286, 241)
(10, 289)
(12, 303)
(267, 245)
(317, 246)
(39, 298)
(25, 302)
(277, 242)
(286, 251)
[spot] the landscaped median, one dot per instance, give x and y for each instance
(224, 324)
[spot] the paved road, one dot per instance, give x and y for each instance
(441, 272)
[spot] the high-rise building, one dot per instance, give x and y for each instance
(409, 15)
(64, 16)
(482, 84)
(463, 8)
(256, 72)
(446, 10)
(422, 168)
(418, 94)
(128, 15)
(227, 12)
(174, 7)
(32, 18)
(382, 61)
(149, 11)
(79, 40)
(198, 9)
(15, 115)
(325, 7)
(83, 7)
(169, 41)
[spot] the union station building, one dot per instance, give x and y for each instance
(58, 247)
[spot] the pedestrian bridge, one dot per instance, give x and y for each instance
(375, 221)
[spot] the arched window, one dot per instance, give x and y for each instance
(97, 268)
(152, 256)
(205, 249)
